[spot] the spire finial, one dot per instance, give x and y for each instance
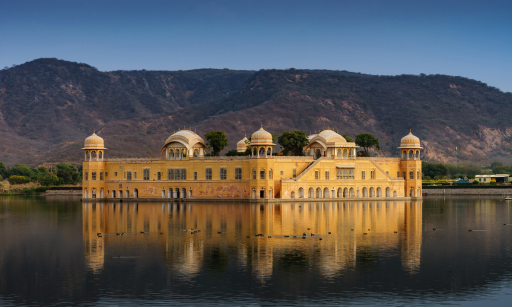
(410, 131)
(261, 125)
(94, 131)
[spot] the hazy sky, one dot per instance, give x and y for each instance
(464, 38)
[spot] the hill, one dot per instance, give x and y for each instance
(49, 106)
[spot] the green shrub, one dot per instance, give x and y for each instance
(427, 178)
(492, 183)
(476, 182)
(15, 179)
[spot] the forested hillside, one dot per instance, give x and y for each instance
(49, 106)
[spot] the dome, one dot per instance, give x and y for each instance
(410, 141)
(241, 146)
(331, 136)
(94, 142)
(186, 137)
(261, 137)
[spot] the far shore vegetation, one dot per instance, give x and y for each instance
(22, 179)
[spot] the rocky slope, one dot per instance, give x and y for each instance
(48, 107)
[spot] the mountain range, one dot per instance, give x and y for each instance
(49, 106)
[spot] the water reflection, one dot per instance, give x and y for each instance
(190, 238)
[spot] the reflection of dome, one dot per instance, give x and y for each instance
(261, 137)
(241, 146)
(186, 137)
(410, 141)
(94, 142)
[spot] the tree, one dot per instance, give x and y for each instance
(68, 173)
(434, 170)
(496, 163)
(367, 141)
(3, 169)
(232, 152)
(15, 179)
(293, 142)
(21, 170)
(216, 141)
(347, 137)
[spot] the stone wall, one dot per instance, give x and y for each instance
(467, 191)
(63, 192)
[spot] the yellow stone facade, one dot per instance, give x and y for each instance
(329, 169)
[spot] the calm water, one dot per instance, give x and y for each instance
(377, 253)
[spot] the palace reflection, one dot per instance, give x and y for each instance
(361, 233)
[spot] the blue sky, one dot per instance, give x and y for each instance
(464, 38)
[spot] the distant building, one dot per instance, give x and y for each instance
(498, 178)
(329, 170)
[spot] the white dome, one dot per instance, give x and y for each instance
(94, 142)
(410, 141)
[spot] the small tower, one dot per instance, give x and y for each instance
(241, 146)
(94, 148)
(410, 164)
(261, 144)
(93, 183)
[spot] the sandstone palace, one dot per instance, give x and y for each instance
(329, 169)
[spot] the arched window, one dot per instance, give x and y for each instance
(339, 153)
(372, 192)
(318, 193)
(269, 151)
(379, 192)
(196, 152)
(318, 153)
(301, 193)
(262, 151)
(270, 175)
(388, 192)
(410, 154)
(365, 192)
(351, 153)
(352, 192)
(394, 193)
(93, 156)
(311, 193)
(293, 194)
(262, 173)
(345, 192)
(340, 193)
(345, 153)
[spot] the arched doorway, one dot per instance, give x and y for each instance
(311, 193)
(169, 193)
(340, 193)
(372, 192)
(177, 193)
(418, 194)
(127, 194)
(135, 193)
(352, 192)
(394, 193)
(293, 195)
(326, 193)
(113, 193)
(183, 193)
(301, 193)
(189, 193)
(345, 192)
(120, 193)
(163, 194)
(365, 192)
(254, 193)
(318, 193)
(86, 194)
(101, 193)
(388, 192)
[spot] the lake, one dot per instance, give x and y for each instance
(57, 251)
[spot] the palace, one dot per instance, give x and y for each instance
(330, 169)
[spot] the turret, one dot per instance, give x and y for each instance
(410, 164)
